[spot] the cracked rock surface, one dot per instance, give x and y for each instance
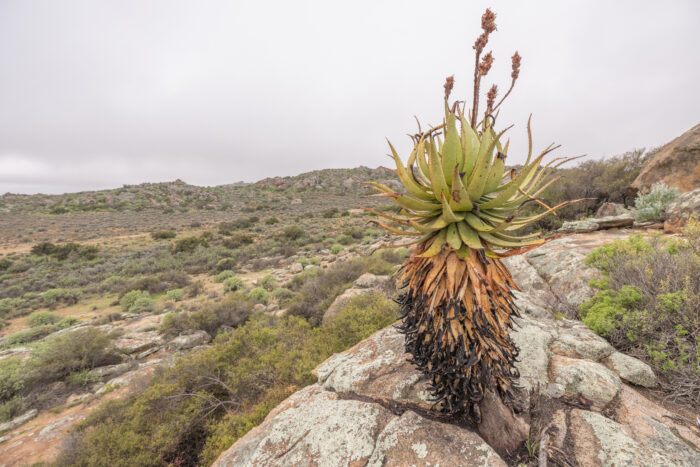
(370, 407)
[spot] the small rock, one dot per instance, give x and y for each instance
(296, 268)
(187, 341)
(578, 227)
(340, 301)
(611, 209)
(366, 281)
(592, 380)
(609, 222)
(631, 369)
(259, 307)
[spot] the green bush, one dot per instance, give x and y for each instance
(82, 349)
(282, 295)
(41, 318)
(163, 234)
(225, 264)
(82, 378)
(233, 284)
(189, 244)
(268, 282)
(136, 301)
(293, 232)
(648, 305)
(233, 311)
(175, 295)
(237, 381)
(12, 381)
(652, 206)
(223, 275)
(259, 295)
(237, 240)
(271, 220)
(53, 297)
(11, 408)
(336, 248)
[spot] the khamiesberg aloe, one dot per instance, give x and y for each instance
(463, 205)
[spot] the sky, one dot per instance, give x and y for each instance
(95, 95)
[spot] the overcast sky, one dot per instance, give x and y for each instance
(96, 94)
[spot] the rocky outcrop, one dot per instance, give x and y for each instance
(366, 283)
(611, 209)
(677, 164)
(599, 223)
(680, 210)
(579, 398)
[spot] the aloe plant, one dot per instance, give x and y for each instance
(462, 205)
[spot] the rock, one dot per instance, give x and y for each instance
(137, 342)
(378, 368)
(413, 440)
(340, 301)
(680, 210)
(677, 164)
(578, 226)
(614, 222)
(611, 209)
(259, 307)
(296, 268)
(112, 370)
(18, 421)
(600, 441)
(592, 380)
(632, 370)
(317, 427)
(577, 341)
(366, 281)
(188, 341)
(533, 360)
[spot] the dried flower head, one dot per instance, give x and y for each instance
(449, 84)
(491, 98)
(515, 65)
(485, 64)
(488, 21)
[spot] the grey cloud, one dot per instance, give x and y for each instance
(98, 94)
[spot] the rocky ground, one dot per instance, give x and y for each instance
(582, 402)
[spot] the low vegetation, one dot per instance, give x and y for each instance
(188, 414)
(648, 305)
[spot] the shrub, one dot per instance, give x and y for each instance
(319, 287)
(293, 232)
(59, 356)
(136, 301)
(189, 244)
(282, 294)
(41, 318)
(233, 312)
(259, 295)
(233, 284)
(11, 408)
(652, 206)
(223, 275)
(53, 297)
(268, 282)
(175, 295)
(237, 241)
(11, 377)
(225, 264)
(163, 234)
(648, 305)
(337, 248)
(5, 264)
(82, 378)
(271, 220)
(329, 213)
